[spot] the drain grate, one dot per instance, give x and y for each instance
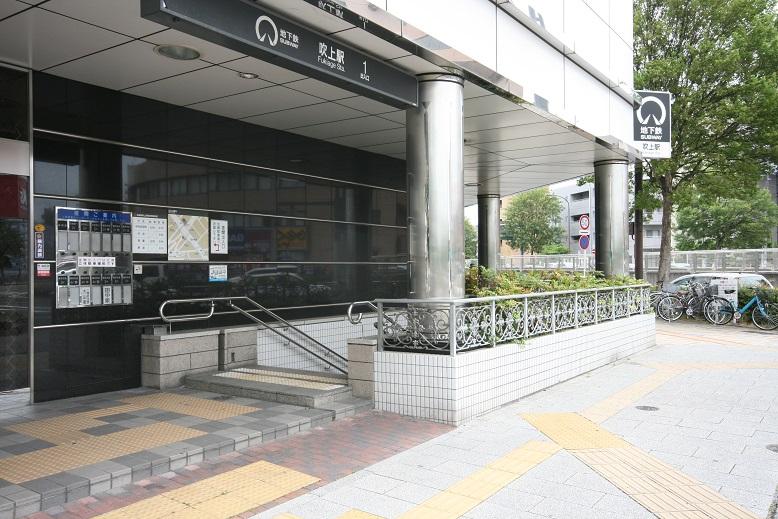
(646, 408)
(772, 447)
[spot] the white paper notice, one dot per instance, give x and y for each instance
(149, 235)
(217, 273)
(219, 237)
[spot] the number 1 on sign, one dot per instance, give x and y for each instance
(364, 75)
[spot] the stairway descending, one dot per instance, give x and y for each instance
(288, 386)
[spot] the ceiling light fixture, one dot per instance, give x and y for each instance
(177, 52)
(247, 75)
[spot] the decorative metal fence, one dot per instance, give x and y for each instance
(456, 325)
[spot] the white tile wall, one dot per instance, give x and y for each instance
(333, 332)
(455, 389)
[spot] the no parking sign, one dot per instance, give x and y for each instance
(583, 231)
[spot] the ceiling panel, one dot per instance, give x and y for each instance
(473, 90)
(208, 51)
(355, 126)
(257, 102)
(124, 66)
(487, 105)
(367, 105)
(387, 148)
(305, 115)
(371, 44)
(117, 15)
(197, 86)
(9, 7)
(538, 141)
(263, 69)
(320, 89)
(513, 132)
(372, 138)
(41, 39)
(415, 65)
(501, 120)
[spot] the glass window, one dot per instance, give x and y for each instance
(14, 106)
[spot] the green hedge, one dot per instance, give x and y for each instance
(482, 282)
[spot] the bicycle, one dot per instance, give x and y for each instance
(692, 303)
(764, 314)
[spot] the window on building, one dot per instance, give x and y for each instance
(653, 233)
(581, 195)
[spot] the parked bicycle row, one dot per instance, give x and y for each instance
(701, 300)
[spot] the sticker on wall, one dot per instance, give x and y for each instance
(187, 237)
(39, 245)
(137, 269)
(149, 236)
(217, 273)
(43, 270)
(219, 237)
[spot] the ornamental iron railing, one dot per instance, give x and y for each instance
(456, 325)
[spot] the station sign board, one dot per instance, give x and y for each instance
(652, 123)
(248, 28)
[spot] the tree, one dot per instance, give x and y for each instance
(532, 221)
(471, 240)
(719, 59)
(727, 223)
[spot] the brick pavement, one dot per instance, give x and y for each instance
(325, 453)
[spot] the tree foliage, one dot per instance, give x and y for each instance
(532, 221)
(471, 240)
(719, 59)
(727, 223)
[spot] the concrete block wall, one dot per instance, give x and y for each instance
(361, 353)
(239, 347)
(167, 359)
(454, 389)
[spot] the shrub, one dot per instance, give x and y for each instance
(482, 282)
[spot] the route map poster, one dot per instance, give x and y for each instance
(187, 237)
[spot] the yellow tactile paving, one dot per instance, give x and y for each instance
(89, 450)
(276, 379)
(573, 431)
(222, 496)
(68, 428)
(603, 410)
(722, 341)
(471, 491)
(189, 405)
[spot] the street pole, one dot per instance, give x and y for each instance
(638, 252)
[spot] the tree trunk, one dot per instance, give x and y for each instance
(665, 247)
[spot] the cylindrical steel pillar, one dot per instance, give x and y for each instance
(436, 188)
(489, 231)
(611, 202)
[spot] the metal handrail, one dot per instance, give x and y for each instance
(529, 295)
(230, 302)
(358, 319)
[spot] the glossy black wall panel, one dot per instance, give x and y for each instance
(77, 108)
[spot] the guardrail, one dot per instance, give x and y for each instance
(456, 325)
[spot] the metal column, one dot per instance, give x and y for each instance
(489, 231)
(436, 188)
(611, 201)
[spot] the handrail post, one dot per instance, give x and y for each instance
(380, 344)
(553, 314)
(575, 308)
(493, 313)
(613, 304)
(525, 317)
(452, 334)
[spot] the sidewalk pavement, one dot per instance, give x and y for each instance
(679, 431)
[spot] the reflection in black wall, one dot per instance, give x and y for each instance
(294, 240)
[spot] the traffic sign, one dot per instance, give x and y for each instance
(583, 224)
(583, 241)
(652, 124)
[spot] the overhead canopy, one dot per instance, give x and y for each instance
(509, 147)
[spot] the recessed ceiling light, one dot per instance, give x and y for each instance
(178, 52)
(247, 75)
(472, 184)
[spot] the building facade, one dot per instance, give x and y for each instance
(307, 154)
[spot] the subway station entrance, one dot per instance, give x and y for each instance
(296, 152)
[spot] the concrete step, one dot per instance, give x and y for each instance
(302, 388)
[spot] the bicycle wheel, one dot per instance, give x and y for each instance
(718, 310)
(654, 297)
(694, 307)
(767, 320)
(670, 308)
